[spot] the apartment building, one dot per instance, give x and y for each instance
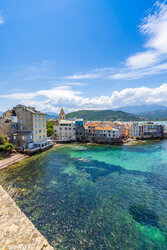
(64, 130)
(91, 130)
(107, 134)
(121, 126)
(28, 127)
(79, 128)
(151, 130)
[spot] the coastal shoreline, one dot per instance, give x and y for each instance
(12, 159)
(17, 158)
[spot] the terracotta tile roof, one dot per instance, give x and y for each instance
(104, 128)
(93, 124)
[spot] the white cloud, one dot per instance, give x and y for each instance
(151, 60)
(53, 99)
(1, 18)
(142, 60)
(154, 25)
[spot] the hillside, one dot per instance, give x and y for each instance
(141, 109)
(103, 115)
(155, 115)
(51, 115)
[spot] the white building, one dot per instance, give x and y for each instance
(64, 130)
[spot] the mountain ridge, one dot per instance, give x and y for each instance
(101, 115)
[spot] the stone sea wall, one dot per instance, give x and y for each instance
(16, 230)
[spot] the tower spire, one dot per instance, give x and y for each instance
(62, 115)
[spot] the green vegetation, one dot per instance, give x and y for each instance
(160, 115)
(5, 145)
(50, 129)
(101, 115)
(1, 158)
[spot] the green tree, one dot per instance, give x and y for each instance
(50, 129)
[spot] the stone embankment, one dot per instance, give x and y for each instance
(16, 230)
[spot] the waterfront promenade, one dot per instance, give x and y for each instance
(17, 231)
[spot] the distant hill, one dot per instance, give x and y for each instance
(51, 115)
(140, 109)
(155, 115)
(103, 115)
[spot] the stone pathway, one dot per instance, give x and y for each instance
(12, 160)
(16, 230)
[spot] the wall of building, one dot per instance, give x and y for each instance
(65, 130)
(5, 126)
(39, 127)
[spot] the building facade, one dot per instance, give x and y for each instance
(28, 127)
(64, 130)
(151, 130)
(79, 128)
(5, 126)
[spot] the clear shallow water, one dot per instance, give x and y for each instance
(96, 197)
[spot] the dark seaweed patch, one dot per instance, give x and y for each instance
(144, 215)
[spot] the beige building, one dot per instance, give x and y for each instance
(28, 127)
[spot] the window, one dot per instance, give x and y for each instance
(43, 115)
(43, 120)
(39, 125)
(21, 121)
(39, 115)
(36, 137)
(21, 126)
(35, 126)
(65, 128)
(35, 120)
(40, 137)
(30, 137)
(60, 128)
(39, 120)
(35, 115)
(14, 137)
(40, 130)
(43, 136)
(43, 125)
(44, 130)
(36, 132)
(23, 138)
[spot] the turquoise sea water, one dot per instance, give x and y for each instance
(96, 197)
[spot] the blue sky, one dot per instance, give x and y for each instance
(82, 54)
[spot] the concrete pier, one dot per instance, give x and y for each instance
(16, 230)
